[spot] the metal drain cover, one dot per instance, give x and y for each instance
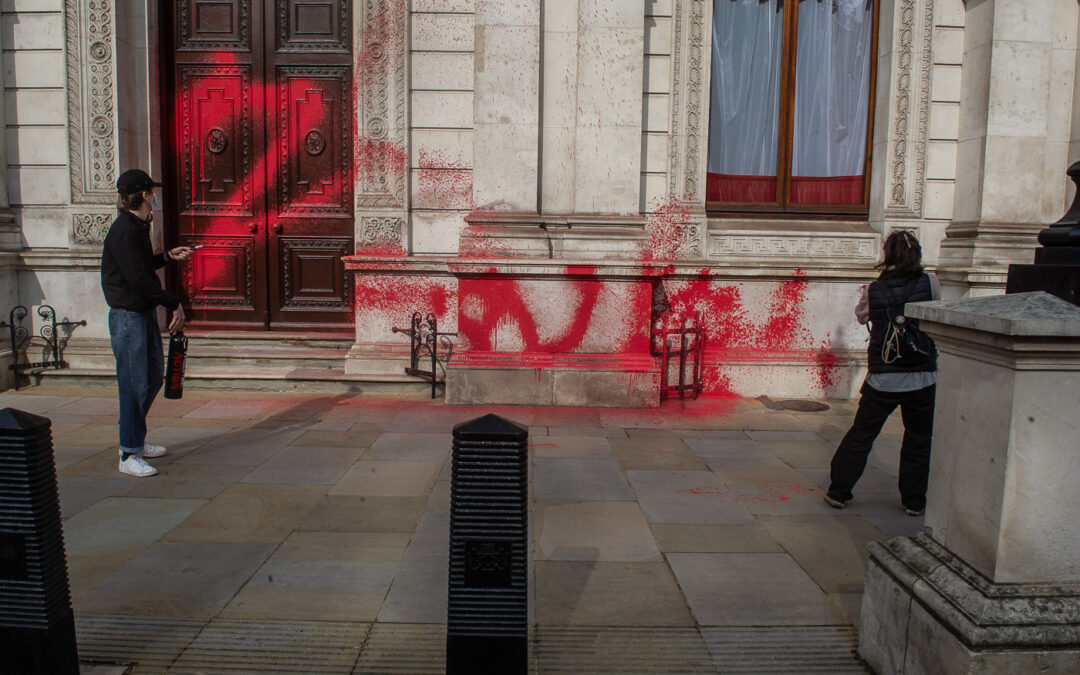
(796, 404)
(802, 405)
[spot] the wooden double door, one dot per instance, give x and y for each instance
(258, 147)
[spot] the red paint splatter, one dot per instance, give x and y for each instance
(668, 228)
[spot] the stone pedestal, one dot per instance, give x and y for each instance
(995, 584)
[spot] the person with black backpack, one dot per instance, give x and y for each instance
(902, 365)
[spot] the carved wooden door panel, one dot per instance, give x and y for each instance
(310, 201)
(259, 161)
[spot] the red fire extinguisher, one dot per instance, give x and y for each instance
(174, 367)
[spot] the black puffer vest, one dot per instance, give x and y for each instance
(879, 319)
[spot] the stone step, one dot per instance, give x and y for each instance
(320, 380)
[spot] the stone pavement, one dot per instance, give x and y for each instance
(308, 533)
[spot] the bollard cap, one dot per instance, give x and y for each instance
(21, 422)
(491, 427)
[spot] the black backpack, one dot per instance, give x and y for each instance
(904, 344)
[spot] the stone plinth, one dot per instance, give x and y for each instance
(995, 584)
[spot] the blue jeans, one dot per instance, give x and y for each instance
(140, 371)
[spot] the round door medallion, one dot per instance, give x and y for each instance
(314, 142)
(216, 141)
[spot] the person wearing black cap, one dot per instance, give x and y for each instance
(133, 292)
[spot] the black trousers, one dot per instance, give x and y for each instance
(917, 411)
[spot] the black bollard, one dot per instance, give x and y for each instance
(487, 622)
(37, 626)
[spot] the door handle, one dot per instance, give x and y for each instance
(253, 228)
(276, 228)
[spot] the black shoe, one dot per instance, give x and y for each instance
(833, 501)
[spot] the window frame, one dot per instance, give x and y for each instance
(783, 207)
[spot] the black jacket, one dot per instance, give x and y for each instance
(128, 265)
(880, 313)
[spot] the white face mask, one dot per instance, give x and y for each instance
(153, 203)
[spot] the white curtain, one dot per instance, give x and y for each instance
(832, 87)
(743, 123)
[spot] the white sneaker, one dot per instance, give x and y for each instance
(152, 451)
(136, 466)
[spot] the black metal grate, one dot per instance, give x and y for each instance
(487, 614)
(37, 627)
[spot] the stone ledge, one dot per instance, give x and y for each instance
(1020, 314)
(982, 614)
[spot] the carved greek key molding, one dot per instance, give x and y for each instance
(688, 100)
(91, 49)
(382, 154)
(381, 232)
(907, 161)
(90, 228)
(810, 246)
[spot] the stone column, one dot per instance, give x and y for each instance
(995, 584)
(1015, 109)
(506, 107)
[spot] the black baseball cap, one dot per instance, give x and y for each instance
(135, 180)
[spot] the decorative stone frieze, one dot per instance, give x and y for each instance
(856, 248)
(91, 73)
(913, 38)
(90, 228)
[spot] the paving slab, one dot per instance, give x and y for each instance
(752, 589)
(226, 409)
(722, 448)
(180, 439)
(412, 447)
(585, 431)
(67, 455)
(686, 497)
(604, 531)
(90, 405)
(124, 525)
(387, 479)
(571, 447)
(35, 403)
(766, 435)
(653, 453)
(680, 538)
(177, 579)
(325, 576)
(79, 492)
(90, 434)
(419, 590)
(352, 513)
(802, 454)
(185, 481)
(831, 549)
(558, 479)
(317, 466)
(339, 439)
(242, 446)
(250, 513)
(578, 593)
